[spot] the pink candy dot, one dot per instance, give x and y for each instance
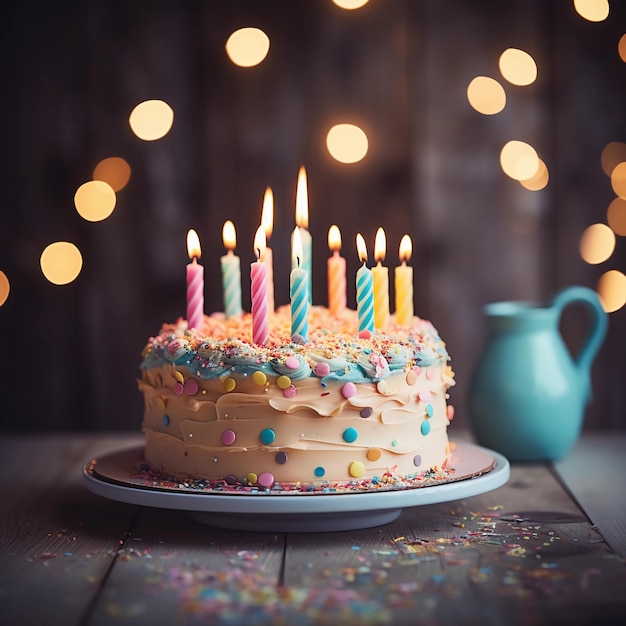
(266, 479)
(450, 412)
(365, 334)
(424, 395)
(348, 390)
(228, 437)
(191, 386)
(322, 369)
(290, 392)
(292, 362)
(179, 389)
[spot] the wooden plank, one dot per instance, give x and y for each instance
(173, 569)
(57, 540)
(515, 555)
(594, 473)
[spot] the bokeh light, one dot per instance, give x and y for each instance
(592, 10)
(151, 120)
(616, 216)
(114, 171)
(61, 262)
(347, 143)
(612, 154)
(539, 180)
(519, 160)
(518, 67)
(612, 290)
(621, 47)
(597, 244)
(618, 179)
(486, 95)
(95, 200)
(5, 287)
(247, 47)
(350, 4)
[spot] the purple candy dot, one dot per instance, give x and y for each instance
(230, 479)
(417, 460)
(191, 387)
(322, 369)
(292, 362)
(366, 412)
(266, 479)
(348, 390)
(281, 458)
(228, 437)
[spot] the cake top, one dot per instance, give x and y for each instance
(333, 350)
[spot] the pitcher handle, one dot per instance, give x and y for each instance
(598, 324)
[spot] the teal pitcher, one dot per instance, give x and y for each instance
(528, 396)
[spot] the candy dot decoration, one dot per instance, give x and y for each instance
(373, 454)
(366, 412)
(411, 377)
(259, 378)
(281, 458)
(229, 383)
(417, 460)
(267, 436)
(266, 479)
(350, 435)
(166, 420)
(348, 390)
(357, 469)
(191, 387)
(179, 389)
(292, 362)
(319, 471)
(283, 382)
(322, 369)
(429, 410)
(228, 437)
(290, 392)
(251, 478)
(425, 427)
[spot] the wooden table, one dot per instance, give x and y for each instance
(546, 548)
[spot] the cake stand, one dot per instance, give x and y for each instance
(115, 476)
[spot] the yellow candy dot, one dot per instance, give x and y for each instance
(229, 384)
(252, 478)
(283, 382)
(356, 469)
(160, 402)
(259, 378)
(373, 454)
(179, 377)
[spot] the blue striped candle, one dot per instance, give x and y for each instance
(298, 291)
(364, 290)
(231, 273)
(302, 221)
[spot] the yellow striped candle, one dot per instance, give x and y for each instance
(404, 284)
(380, 274)
(336, 273)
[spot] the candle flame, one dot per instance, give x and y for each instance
(229, 236)
(260, 243)
(380, 245)
(361, 248)
(193, 244)
(302, 200)
(296, 251)
(406, 248)
(334, 238)
(267, 215)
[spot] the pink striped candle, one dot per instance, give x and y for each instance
(258, 279)
(336, 273)
(195, 283)
(267, 221)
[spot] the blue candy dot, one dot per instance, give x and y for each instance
(350, 435)
(267, 436)
(425, 427)
(429, 410)
(319, 471)
(166, 420)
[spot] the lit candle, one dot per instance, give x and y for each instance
(364, 290)
(231, 272)
(298, 290)
(380, 275)
(336, 273)
(267, 221)
(302, 221)
(258, 279)
(195, 283)
(404, 284)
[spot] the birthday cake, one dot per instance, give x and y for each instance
(341, 408)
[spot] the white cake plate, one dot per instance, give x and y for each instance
(477, 470)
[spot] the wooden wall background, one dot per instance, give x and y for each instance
(73, 71)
